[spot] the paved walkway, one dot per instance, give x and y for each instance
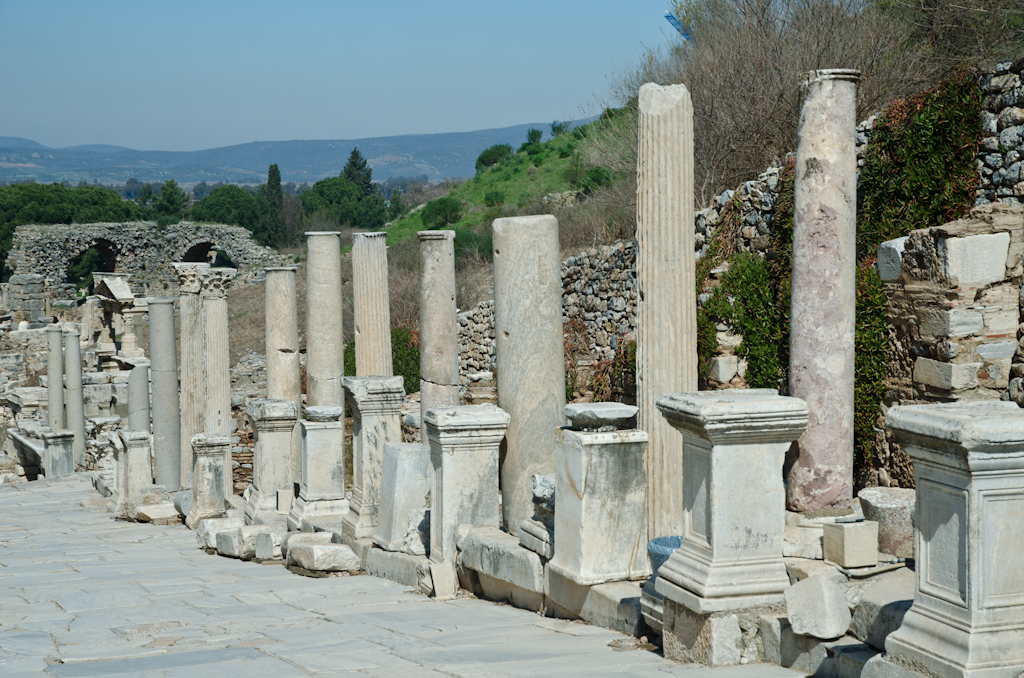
(84, 595)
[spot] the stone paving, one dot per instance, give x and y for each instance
(84, 595)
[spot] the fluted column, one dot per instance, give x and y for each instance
(163, 366)
(54, 378)
(325, 333)
(666, 356)
(75, 414)
(218, 359)
(282, 344)
(439, 335)
(823, 302)
(372, 308)
(529, 351)
(193, 379)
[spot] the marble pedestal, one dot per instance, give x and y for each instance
(59, 453)
(405, 490)
(322, 484)
(208, 452)
(272, 421)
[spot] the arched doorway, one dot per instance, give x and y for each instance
(209, 253)
(97, 258)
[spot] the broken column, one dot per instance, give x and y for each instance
(272, 424)
(75, 407)
(371, 305)
(968, 613)
(282, 346)
(208, 453)
(217, 356)
(666, 352)
(193, 378)
(439, 335)
(163, 354)
(464, 444)
(734, 443)
(600, 496)
(530, 354)
(325, 340)
(137, 467)
(821, 344)
(138, 397)
(59, 453)
(54, 378)
(376, 404)
(322, 481)
(405, 484)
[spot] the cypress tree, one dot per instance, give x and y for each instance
(275, 232)
(359, 172)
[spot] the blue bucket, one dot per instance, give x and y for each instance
(660, 548)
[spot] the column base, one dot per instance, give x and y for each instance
(195, 515)
(711, 638)
(358, 525)
(315, 509)
(700, 605)
(700, 578)
(261, 509)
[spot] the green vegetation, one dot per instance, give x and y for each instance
(441, 212)
(350, 200)
(405, 357)
(492, 155)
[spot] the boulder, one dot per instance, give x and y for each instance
(324, 557)
(893, 509)
(882, 606)
(817, 607)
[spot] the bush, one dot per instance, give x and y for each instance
(492, 155)
(533, 135)
(492, 198)
(441, 212)
(405, 357)
(595, 178)
(559, 127)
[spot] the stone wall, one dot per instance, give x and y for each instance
(1001, 156)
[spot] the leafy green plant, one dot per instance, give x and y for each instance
(492, 198)
(441, 212)
(492, 155)
(405, 357)
(560, 127)
(533, 135)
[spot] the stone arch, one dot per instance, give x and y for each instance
(107, 250)
(108, 262)
(208, 252)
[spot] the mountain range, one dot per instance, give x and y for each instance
(439, 156)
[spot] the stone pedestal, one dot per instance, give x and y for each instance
(464, 455)
(600, 506)
(322, 484)
(376, 404)
(439, 335)
(272, 423)
(666, 354)
(530, 354)
(208, 498)
(734, 444)
(163, 367)
(823, 304)
(131, 316)
(59, 452)
(325, 334)
(405, 488)
(968, 613)
(137, 468)
(371, 305)
(55, 377)
(75, 407)
(193, 378)
(138, 397)
(282, 344)
(217, 356)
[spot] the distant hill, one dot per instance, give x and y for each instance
(439, 156)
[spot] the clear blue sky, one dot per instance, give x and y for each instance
(189, 75)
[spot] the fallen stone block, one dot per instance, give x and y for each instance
(710, 639)
(397, 567)
(893, 509)
(231, 545)
(817, 607)
(882, 606)
(296, 538)
(323, 557)
(163, 513)
(268, 545)
(499, 555)
(208, 529)
(615, 605)
(443, 580)
(852, 544)
(802, 542)
(799, 569)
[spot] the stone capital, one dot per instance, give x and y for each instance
(188, 277)
(375, 394)
(982, 436)
(216, 281)
(736, 416)
(269, 414)
(324, 413)
(436, 235)
(210, 444)
(57, 437)
(466, 425)
(134, 439)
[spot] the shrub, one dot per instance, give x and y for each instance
(405, 357)
(492, 155)
(595, 178)
(560, 127)
(492, 198)
(533, 135)
(441, 212)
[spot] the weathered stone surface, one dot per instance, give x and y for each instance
(208, 497)
(268, 545)
(193, 377)
(890, 259)
(399, 567)
(802, 542)
(598, 415)
(55, 378)
(893, 509)
(851, 544)
(324, 557)
(208, 529)
(73, 395)
(823, 297)
(498, 555)
(322, 482)
(59, 454)
(325, 340)
(272, 421)
(439, 340)
(296, 538)
(802, 568)
(946, 376)
(405, 485)
(163, 354)
(882, 606)
(529, 344)
(615, 605)
(217, 359)
(282, 342)
(816, 607)
(976, 260)
(138, 396)
(710, 639)
(371, 307)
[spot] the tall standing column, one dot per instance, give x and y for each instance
(823, 302)
(325, 333)
(439, 335)
(138, 397)
(193, 378)
(372, 305)
(218, 360)
(666, 353)
(529, 351)
(75, 415)
(54, 378)
(282, 344)
(163, 356)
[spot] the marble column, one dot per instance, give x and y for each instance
(376, 404)
(272, 422)
(372, 305)
(439, 334)
(163, 354)
(55, 377)
(138, 397)
(666, 354)
(208, 496)
(322, 487)
(464, 444)
(193, 377)
(75, 408)
(218, 359)
(325, 333)
(823, 302)
(282, 350)
(529, 351)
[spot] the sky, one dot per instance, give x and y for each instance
(189, 75)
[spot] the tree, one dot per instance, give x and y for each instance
(533, 135)
(358, 172)
(145, 195)
(274, 228)
(492, 155)
(228, 204)
(441, 212)
(171, 201)
(339, 200)
(395, 206)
